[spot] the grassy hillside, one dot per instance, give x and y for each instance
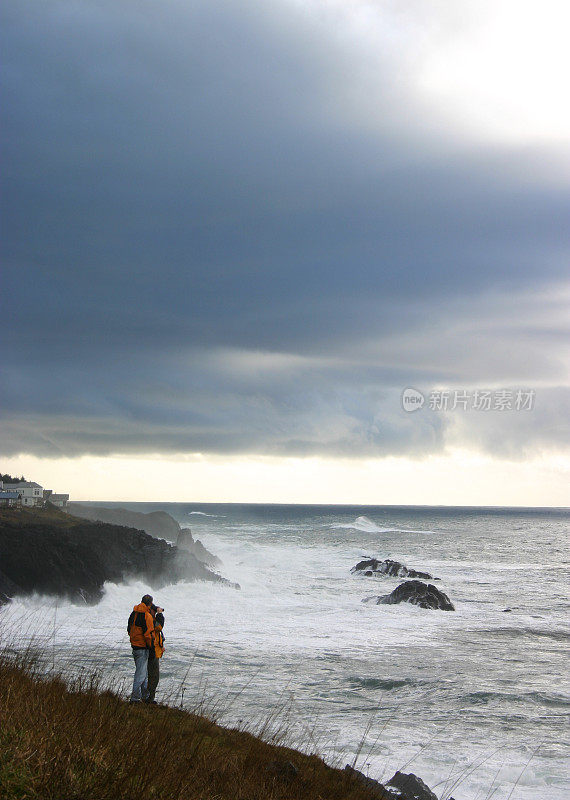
(60, 743)
(48, 514)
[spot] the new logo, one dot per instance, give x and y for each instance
(412, 400)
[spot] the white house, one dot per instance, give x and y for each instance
(59, 500)
(31, 493)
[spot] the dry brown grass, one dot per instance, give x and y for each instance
(60, 742)
(24, 517)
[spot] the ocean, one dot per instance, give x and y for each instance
(474, 701)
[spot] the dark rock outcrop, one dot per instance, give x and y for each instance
(8, 589)
(155, 523)
(52, 553)
(424, 595)
(370, 783)
(410, 787)
(401, 786)
(184, 541)
(393, 569)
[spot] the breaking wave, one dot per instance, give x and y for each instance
(202, 514)
(367, 525)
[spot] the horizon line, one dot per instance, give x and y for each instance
(320, 505)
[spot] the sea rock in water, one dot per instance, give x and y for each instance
(187, 543)
(391, 568)
(424, 595)
(409, 787)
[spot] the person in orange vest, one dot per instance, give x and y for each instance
(140, 628)
(155, 655)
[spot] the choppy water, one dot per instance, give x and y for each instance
(478, 695)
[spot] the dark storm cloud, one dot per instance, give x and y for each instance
(190, 186)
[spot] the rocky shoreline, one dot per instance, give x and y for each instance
(50, 552)
(156, 523)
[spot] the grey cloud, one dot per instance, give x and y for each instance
(513, 434)
(184, 178)
(238, 401)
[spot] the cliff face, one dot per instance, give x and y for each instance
(185, 542)
(155, 523)
(52, 553)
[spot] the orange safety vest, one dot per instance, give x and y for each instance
(140, 627)
(158, 641)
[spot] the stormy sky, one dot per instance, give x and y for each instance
(244, 227)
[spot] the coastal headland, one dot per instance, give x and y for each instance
(155, 523)
(47, 551)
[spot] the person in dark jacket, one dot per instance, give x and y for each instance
(155, 655)
(140, 628)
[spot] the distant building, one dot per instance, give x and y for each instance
(59, 500)
(9, 499)
(31, 493)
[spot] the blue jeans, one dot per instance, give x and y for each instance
(141, 674)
